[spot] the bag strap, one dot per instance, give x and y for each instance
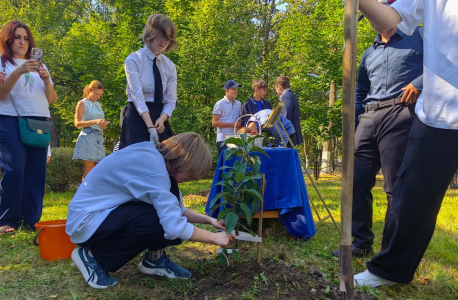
(11, 97)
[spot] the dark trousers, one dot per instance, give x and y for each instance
(429, 164)
(220, 147)
(24, 170)
(134, 129)
(380, 142)
(127, 231)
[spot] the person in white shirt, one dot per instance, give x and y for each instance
(130, 202)
(226, 112)
(430, 159)
(26, 89)
(151, 84)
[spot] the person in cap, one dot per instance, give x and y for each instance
(430, 160)
(226, 112)
(291, 109)
(390, 79)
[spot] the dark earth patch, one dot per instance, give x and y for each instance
(271, 280)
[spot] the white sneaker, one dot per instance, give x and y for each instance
(366, 278)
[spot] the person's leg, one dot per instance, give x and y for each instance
(88, 166)
(125, 233)
(13, 160)
(220, 147)
(429, 164)
(133, 128)
(366, 167)
(34, 185)
(392, 142)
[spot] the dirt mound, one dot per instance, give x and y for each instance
(271, 280)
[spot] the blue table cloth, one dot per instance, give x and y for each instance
(285, 191)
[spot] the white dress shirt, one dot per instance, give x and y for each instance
(437, 105)
(229, 113)
(140, 80)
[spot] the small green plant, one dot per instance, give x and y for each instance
(240, 184)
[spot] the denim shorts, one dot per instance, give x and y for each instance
(89, 145)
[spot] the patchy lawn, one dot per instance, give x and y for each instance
(290, 269)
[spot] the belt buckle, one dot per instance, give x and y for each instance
(373, 105)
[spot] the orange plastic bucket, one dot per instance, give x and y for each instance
(53, 241)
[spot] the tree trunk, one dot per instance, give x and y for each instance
(326, 158)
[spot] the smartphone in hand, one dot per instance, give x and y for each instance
(37, 54)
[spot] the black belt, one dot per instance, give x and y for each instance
(377, 105)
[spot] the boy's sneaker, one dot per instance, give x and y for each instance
(162, 267)
(366, 278)
(94, 274)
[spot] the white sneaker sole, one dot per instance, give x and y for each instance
(80, 265)
(157, 272)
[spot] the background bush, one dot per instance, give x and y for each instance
(62, 172)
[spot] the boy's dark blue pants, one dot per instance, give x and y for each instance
(429, 164)
(23, 184)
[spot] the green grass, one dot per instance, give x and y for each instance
(24, 275)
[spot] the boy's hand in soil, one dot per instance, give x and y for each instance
(222, 239)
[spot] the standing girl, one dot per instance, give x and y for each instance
(90, 117)
(151, 84)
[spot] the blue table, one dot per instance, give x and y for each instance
(285, 191)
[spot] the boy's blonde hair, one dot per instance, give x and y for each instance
(159, 23)
(186, 152)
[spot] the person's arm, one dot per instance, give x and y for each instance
(79, 123)
(381, 16)
(51, 94)
(363, 86)
(413, 90)
(170, 95)
(218, 238)
(10, 81)
(287, 111)
(195, 217)
(217, 123)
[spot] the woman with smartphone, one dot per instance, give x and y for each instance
(26, 90)
(151, 84)
(90, 117)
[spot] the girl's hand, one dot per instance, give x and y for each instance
(222, 239)
(29, 66)
(160, 123)
(221, 224)
(102, 123)
(44, 75)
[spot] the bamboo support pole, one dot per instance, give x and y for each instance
(263, 187)
(348, 144)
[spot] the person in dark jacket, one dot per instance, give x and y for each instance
(291, 110)
(257, 102)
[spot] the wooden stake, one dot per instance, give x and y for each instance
(348, 143)
(263, 187)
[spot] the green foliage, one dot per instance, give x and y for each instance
(219, 40)
(240, 183)
(62, 172)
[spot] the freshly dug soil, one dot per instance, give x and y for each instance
(271, 280)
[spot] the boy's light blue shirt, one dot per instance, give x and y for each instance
(135, 173)
(262, 117)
